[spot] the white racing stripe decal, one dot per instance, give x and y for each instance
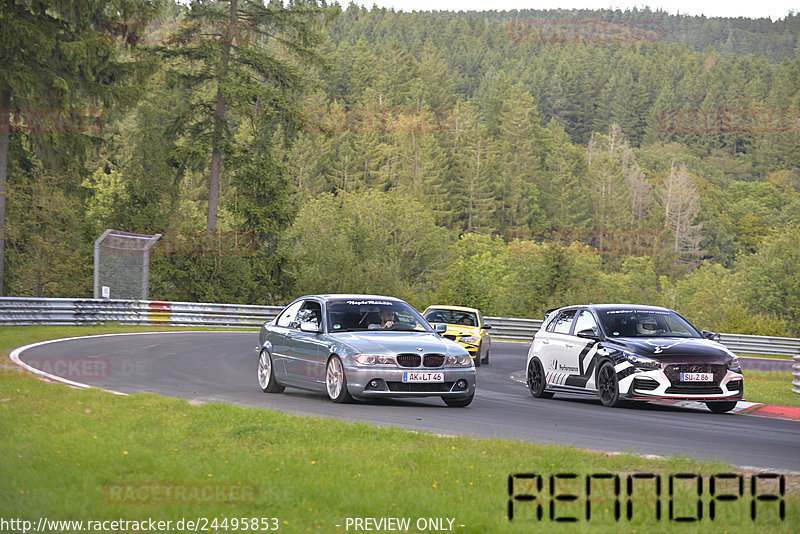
(557, 379)
(589, 355)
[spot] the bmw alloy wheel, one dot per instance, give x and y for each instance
(336, 382)
(266, 375)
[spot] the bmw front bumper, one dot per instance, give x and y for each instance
(368, 381)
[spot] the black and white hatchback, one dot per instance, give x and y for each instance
(620, 351)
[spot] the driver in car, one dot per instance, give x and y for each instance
(387, 319)
(648, 327)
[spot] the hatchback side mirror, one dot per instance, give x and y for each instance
(589, 333)
(486, 327)
(709, 335)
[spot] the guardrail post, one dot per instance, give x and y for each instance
(796, 374)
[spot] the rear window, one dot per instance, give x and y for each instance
(563, 323)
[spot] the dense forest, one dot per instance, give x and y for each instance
(513, 161)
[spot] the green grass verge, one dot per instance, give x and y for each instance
(89, 455)
(770, 387)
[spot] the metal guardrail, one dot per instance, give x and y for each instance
(46, 311)
(784, 346)
(512, 328)
(796, 374)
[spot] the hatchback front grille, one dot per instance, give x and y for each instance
(673, 371)
(699, 389)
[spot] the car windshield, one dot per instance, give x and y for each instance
(353, 315)
(645, 323)
(460, 317)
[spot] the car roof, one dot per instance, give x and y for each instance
(642, 307)
(610, 307)
(454, 308)
(344, 296)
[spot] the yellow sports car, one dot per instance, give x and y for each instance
(464, 326)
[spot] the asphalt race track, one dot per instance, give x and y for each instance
(212, 366)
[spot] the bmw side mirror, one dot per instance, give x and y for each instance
(309, 326)
(440, 328)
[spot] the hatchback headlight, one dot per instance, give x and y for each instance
(734, 362)
(463, 360)
(642, 361)
(374, 359)
(470, 339)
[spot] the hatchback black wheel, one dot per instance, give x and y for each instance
(536, 380)
(721, 406)
(607, 385)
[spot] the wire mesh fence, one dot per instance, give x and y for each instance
(122, 264)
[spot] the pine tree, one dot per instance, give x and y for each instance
(54, 58)
(252, 69)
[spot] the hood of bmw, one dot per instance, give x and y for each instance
(396, 342)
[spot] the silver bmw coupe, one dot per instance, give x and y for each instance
(362, 346)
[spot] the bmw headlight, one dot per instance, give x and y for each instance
(374, 359)
(463, 360)
(642, 361)
(470, 339)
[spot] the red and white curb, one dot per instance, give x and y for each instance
(742, 407)
(747, 408)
